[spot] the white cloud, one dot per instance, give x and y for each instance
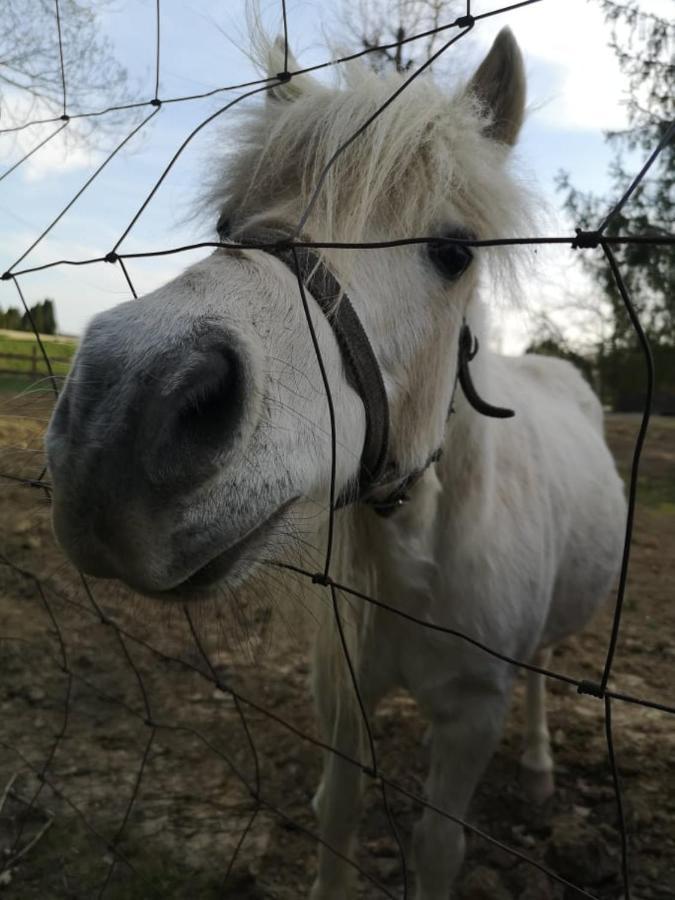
(59, 156)
(66, 152)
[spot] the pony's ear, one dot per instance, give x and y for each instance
(294, 87)
(499, 84)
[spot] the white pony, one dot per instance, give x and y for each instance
(192, 440)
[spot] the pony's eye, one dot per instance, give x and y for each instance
(451, 260)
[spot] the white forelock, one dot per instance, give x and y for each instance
(423, 151)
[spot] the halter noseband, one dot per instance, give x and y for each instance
(363, 372)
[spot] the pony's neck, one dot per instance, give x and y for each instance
(395, 558)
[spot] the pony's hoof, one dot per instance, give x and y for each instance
(537, 786)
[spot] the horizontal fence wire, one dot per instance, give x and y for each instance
(571, 240)
(48, 594)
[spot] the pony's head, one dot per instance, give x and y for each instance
(193, 435)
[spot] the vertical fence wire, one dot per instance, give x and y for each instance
(157, 48)
(63, 68)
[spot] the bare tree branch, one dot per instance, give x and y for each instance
(32, 41)
(372, 23)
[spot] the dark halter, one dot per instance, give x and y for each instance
(363, 373)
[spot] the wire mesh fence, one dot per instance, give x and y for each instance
(157, 727)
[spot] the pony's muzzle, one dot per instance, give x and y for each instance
(134, 450)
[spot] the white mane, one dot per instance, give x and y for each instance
(393, 181)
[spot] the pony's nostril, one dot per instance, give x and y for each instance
(209, 404)
(209, 399)
(195, 421)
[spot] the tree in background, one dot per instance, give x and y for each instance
(373, 23)
(643, 43)
(42, 314)
(11, 319)
(44, 318)
(30, 65)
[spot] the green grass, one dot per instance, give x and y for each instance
(655, 489)
(658, 493)
(16, 385)
(56, 350)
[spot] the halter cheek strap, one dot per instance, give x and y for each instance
(363, 373)
(361, 367)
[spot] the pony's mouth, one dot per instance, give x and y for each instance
(232, 563)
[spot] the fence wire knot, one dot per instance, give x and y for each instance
(322, 578)
(155, 102)
(586, 240)
(284, 77)
(465, 21)
(111, 257)
(592, 688)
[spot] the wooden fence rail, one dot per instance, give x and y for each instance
(36, 365)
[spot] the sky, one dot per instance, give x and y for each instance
(575, 93)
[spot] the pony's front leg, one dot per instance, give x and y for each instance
(338, 806)
(462, 743)
(537, 760)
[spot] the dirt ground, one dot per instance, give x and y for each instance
(86, 732)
